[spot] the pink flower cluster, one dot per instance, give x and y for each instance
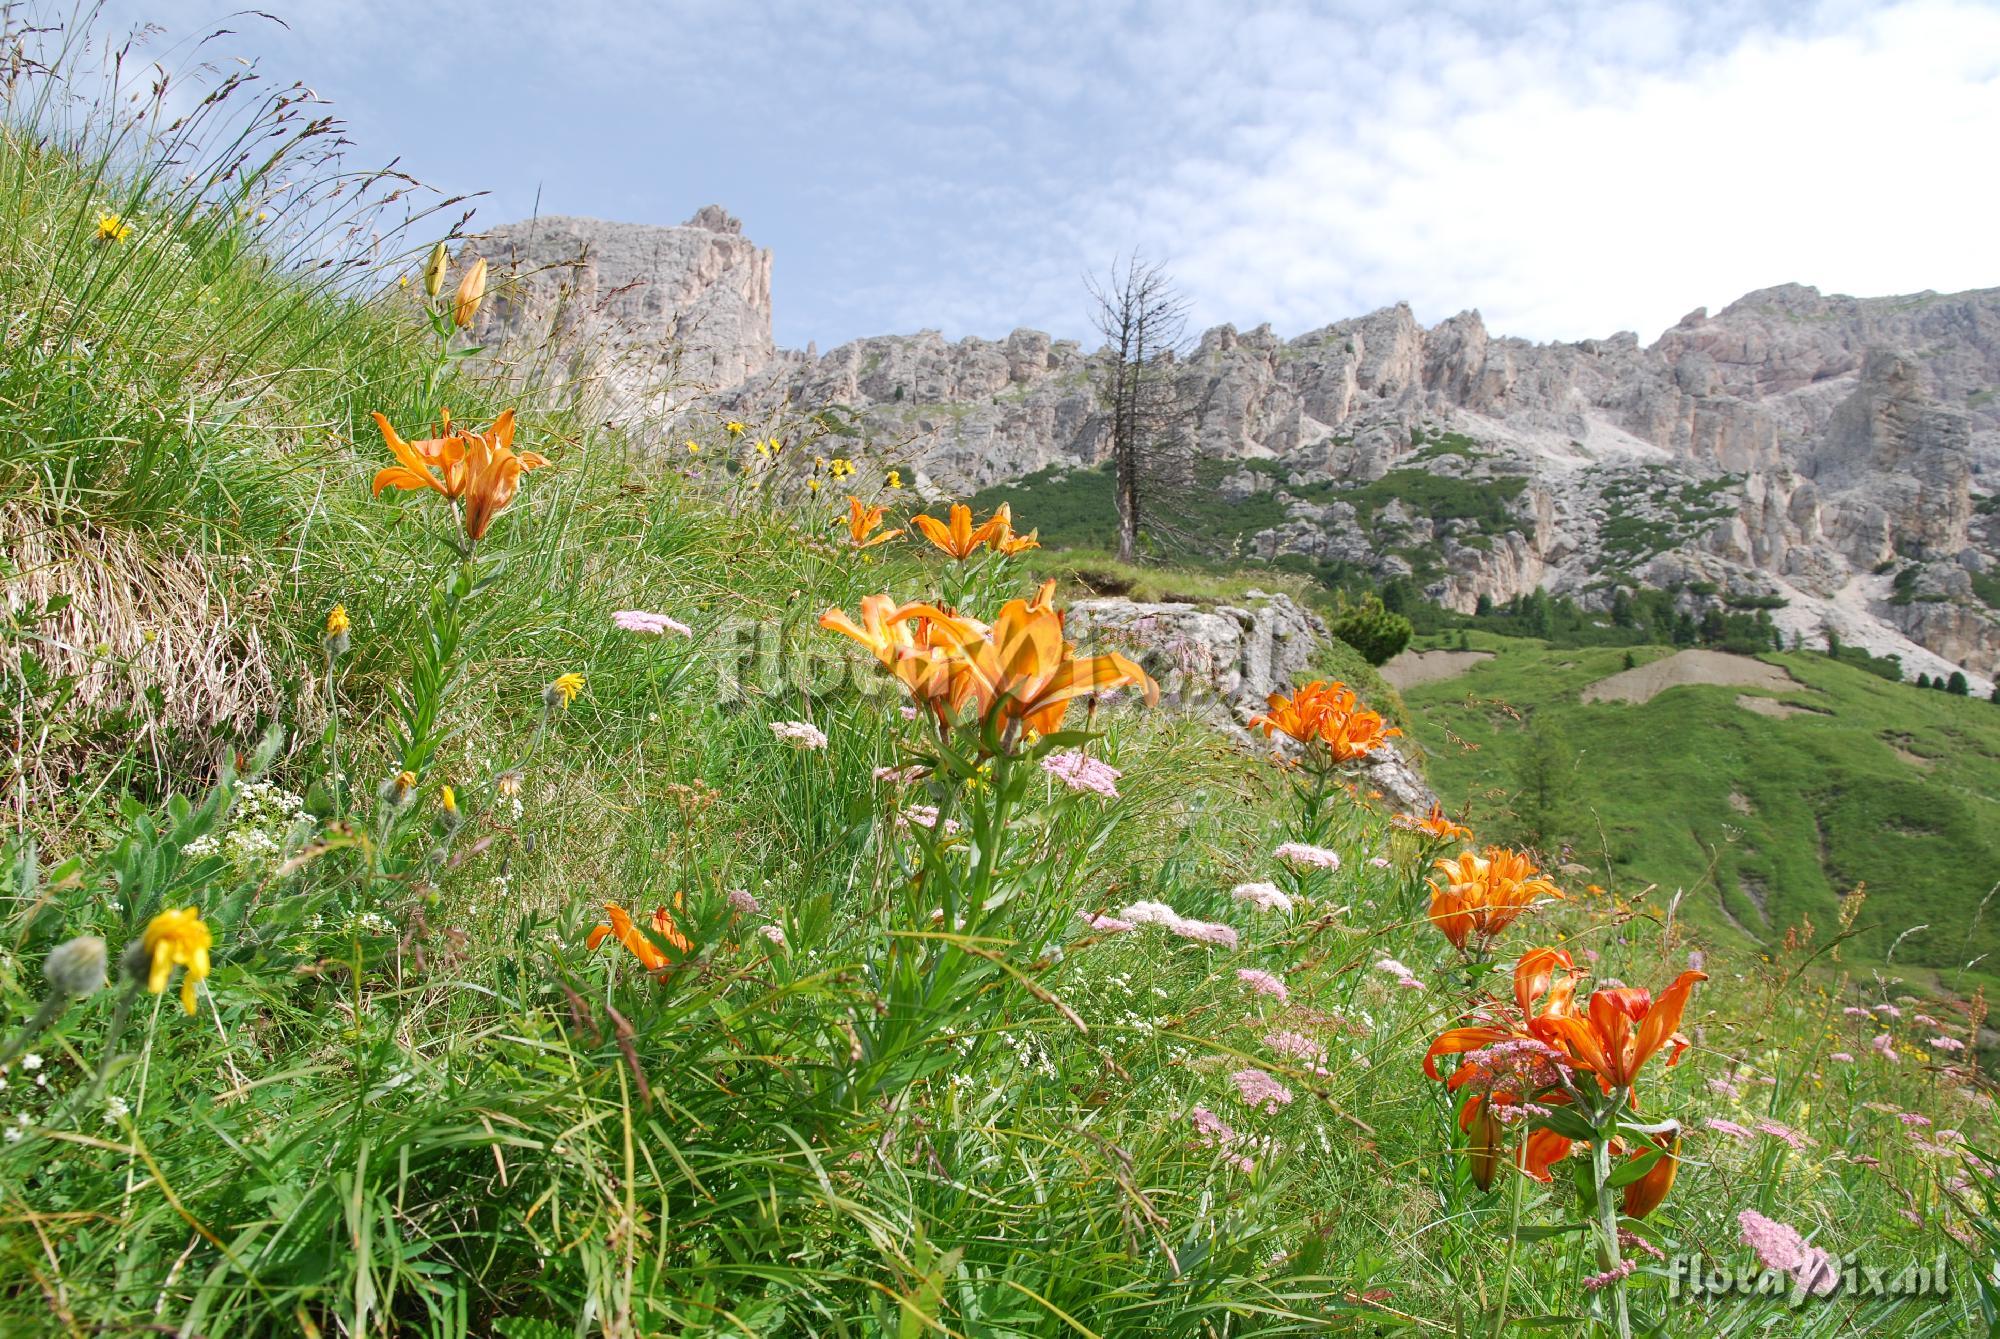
(1081, 772)
(1259, 1091)
(1728, 1127)
(638, 620)
(1301, 856)
(926, 816)
(799, 734)
(1105, 924)
(1263, 983)
(1164, 916)
(1263, 896)
(1404, 976)
(742, 901)
(1518, 1068)
(1214, 1132)
(1298, 1046)
(1610, 1276)
(1798, 1139)
(1781, 1247)
(900, 776)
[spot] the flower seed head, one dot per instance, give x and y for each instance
(75, 967)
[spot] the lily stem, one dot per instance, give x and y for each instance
(1513, 1240)
(1607, 1224)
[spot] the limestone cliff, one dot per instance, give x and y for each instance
(1838, 453)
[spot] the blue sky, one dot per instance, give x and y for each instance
(1568, 170)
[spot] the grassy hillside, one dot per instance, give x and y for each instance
(306, 1028)
(1764, 822)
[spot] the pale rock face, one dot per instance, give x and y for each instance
(1793, 439)
(673, 311)
(1224, 662)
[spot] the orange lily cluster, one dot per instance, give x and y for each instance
(1435, 825)
(862, 523)
(1019, 666)
(626, 931)
(479, 469)
(1481, 895)
(961, 539)
(1325, 716)
(1536, 1057)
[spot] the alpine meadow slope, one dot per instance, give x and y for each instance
(480, 865)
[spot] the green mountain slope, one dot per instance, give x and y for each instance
(1764, 820)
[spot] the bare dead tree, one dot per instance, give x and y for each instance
(1141, 386)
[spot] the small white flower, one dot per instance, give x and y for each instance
(31, 1062)
(115, 1110)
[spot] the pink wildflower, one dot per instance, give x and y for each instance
(1888, 1011)
(899, 776)
(1206, 932)
(740, 900)
(799, 734)
(1841, 1058)
(1912, 1119)
(1263, 896)
(638, 620)
(1947, 1043)
(1728, 1127)
(1081, 772)
(926, 816)
(1296, 1045)
(1785, 1133)
(1263, 983)
(1301, 856)
(1259, 1091)
(1104, 924)
(1856, 1011)
(1610, 1276)
(1884, 1046)
(1782, 1248)
(774, 933)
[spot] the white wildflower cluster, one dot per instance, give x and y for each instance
(257, 827)
(1030, 1056)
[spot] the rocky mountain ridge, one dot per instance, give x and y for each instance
(1838, 454)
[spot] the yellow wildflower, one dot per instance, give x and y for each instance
(112, 228)
(336, 620)
(177, 938)
(895, 479)
(694, 447)
(434, 269)
(567, 686)
(733, 428)
(447, 799)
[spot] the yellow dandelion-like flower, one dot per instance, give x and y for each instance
(895, 479)
(567, 686)
(694, 447)
(733, 428)
(813, 484)
(447, 799)
(177, 938)
(841, 467)
(112, 228)
(336, 620)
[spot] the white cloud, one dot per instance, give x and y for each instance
(1567, 193)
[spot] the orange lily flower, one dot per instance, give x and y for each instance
(481, 469)
(625, 931)
(1325, 714)
(1023, 666)
(1644, 1195)
(493, 473)
(1435, 824)
(961, 539)
(435, 462)
(1007, 542)
(1544, 976)
(1603, 1038)
(862, 522)
(1019, 665)
(1483, 894)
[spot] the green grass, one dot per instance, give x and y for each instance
(1763, 822)
(411, 1101)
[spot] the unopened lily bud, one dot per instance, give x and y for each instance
(471, 289)
(75, 968)
(434, 270)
